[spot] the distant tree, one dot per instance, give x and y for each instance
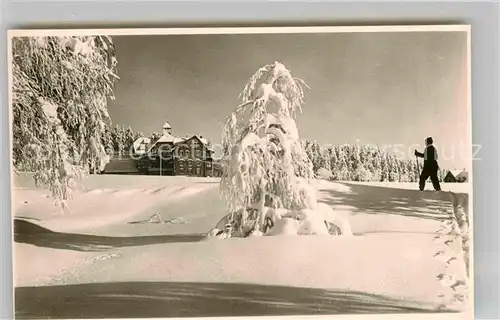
(333, 159)
(129, 141)
(342, 171)
(324, 159)
(362, 174)
(442, 174)
(155, 136)
(138, 135)
(107, 141)
(118, 134)
(60, 90)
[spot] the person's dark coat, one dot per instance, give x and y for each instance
(430, 156)
(430, 168)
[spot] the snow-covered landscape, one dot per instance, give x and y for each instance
(107, 252)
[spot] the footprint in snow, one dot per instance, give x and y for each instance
(448, 242)
(105, 257)
(458, 297)
(439, 253)
(458, 284)
(441, 276)
(443, 258)
(447, 281)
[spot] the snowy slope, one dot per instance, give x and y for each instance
(393, 253)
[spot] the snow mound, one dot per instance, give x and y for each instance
(285, 226)
(319, 221)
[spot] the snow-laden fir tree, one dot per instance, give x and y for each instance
(59, 98)
(267, 169)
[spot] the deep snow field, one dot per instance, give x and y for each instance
(107, 258)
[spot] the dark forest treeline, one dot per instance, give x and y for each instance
(119, 139)
(341, 162)
(361, 163)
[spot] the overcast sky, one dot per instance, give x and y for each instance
(378, 88)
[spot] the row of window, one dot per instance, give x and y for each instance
(198, 170)
(186, 153)
(182, 153)
(198, 163)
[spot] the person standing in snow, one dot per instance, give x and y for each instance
(431, 166)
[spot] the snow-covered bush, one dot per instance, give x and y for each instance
(59, 100)
(267, 167)
(325, 174)
(362, 174)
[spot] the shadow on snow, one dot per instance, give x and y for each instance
(383, 200)
(179, 299)
(30, 233)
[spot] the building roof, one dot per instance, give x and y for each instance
(203, 140)
(140, 141)
(166, 125)
(170, 138)
(167, 138)
(457, 173)
(464, 174)
(178, 139)
(200, 138)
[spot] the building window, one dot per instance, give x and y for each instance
(209, 165)
(198, 154)
(198, 171)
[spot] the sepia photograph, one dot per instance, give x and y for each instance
(229, 172)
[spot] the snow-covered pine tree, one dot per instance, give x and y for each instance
(267, 167)
(377, 165)
(333, 160)
(129, 141)
(343, 173)
(324, 159)
(118, 134)
(59, 99)
(107, 141)
(138, 135)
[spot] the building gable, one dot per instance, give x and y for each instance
(184, 149)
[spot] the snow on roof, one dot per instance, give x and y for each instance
(463, 174)
(178, 139)
(166, 125)
(205, 141)
(167, 138)
(140, 141)
(457, 173)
